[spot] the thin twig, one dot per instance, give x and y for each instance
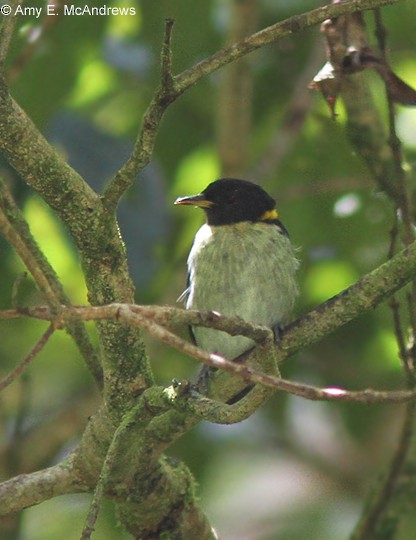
(33, 353)
(164, 315)
(16, 231)
(35, 42)
(255, 376)
(17, 240)
(290, 127)
(132, 316)
(404, 200)
(393, 302)
(166, 57)
(143, 148)
(112, 453)
(94, 509)
(376, 510)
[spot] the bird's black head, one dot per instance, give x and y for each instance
(229, 200)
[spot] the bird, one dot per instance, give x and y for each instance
(241, 263)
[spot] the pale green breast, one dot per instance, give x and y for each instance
(246, 270)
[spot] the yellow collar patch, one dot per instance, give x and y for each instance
(269, 215)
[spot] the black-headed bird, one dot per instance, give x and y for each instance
(241, 263)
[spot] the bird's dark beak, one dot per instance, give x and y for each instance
(195, 200)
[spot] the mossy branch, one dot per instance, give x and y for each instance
(30, 489)
(95, 232)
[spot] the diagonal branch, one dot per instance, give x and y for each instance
(29, 489)
(365, 294)
(372, 289)
(16, 231)
(271, 34)
(34, 352)
(145, 141)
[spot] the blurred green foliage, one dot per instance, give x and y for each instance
(296, 469)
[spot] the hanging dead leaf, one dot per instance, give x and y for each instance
(327, 82)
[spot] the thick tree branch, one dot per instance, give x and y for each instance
(364, 295)
(30, 489)
(95, 232)
(191, 523)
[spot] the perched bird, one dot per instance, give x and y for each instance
(242, 263)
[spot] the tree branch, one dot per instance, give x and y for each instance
(343, 75)
(33, 353)
(366, 294)
(29, 489)
(377, 514)
(145, 141)
(271, 34)
(94, 230)
(16, 231)
(166, 57)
